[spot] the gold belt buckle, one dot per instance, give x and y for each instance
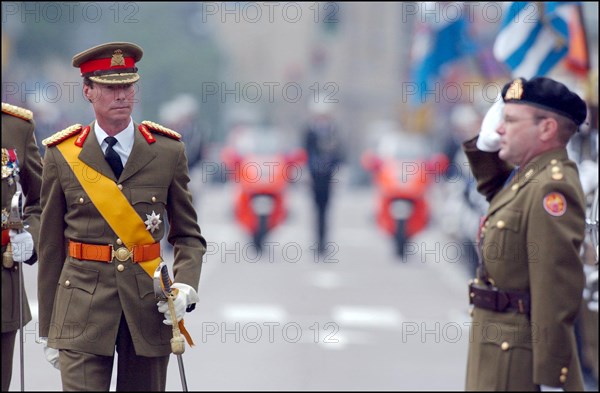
(121, 254)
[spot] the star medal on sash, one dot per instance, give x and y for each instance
(153, 221)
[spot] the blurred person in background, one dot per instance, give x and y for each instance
(21, 171)
(530, 277)
(323, 147)
(106, 188)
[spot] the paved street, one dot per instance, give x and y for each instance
(358, 319)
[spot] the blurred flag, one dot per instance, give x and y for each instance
(534, 36)
(578, 60)
(439, 40)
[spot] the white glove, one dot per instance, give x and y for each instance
(186, 296)
(546, 388)
(22, 245)
(489, 139)
(51, 353)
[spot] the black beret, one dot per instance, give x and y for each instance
(546, 93)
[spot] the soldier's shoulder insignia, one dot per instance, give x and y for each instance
(146, 133)
(155, 127)
(17, 111)
(556, 169)
(555, 204)
(62, 135)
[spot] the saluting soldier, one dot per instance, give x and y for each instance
(108, 188)
(21, 168)
(530, 279)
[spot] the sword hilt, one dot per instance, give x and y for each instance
(15, 216)
(164, 292)
(166, 281)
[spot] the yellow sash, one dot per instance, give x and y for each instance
(114, 207)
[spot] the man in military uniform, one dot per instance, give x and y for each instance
(530, 280)
(106, 190)
(21, 167)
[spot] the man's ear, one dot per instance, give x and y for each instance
(549, 129)
(87, 93)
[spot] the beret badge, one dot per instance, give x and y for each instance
(515, 91)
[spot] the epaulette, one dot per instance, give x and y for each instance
(17, 111)
(162, 130)
(62, 135)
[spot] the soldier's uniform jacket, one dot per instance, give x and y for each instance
(20, 154)
(530, 243)
(81, 301)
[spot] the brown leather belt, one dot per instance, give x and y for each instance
(106, 253)
(492, 298)
(5, 237)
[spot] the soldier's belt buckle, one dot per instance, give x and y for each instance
(122, 254)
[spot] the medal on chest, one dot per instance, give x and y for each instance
(153, 221)
(10, 165)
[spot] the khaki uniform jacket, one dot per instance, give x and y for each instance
(18, 134)
(80, 301)
(526, 248)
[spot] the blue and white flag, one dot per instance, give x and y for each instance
(438, 41)
(534, 37)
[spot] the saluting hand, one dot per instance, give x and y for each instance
(489, 139)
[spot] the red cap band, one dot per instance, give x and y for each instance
(104, 64)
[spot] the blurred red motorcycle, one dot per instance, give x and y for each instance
(261, 168)
(403, 168)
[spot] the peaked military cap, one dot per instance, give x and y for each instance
(111, 63)
(548, 94)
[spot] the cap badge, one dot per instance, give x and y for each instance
(117, 58)
(515, 91)
(555, 204)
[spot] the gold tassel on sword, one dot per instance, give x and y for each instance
(163, 292)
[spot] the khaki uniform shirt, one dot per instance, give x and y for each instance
(531, 238)
(18, 134)
(81, 301)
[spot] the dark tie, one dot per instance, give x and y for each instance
(112, 157)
